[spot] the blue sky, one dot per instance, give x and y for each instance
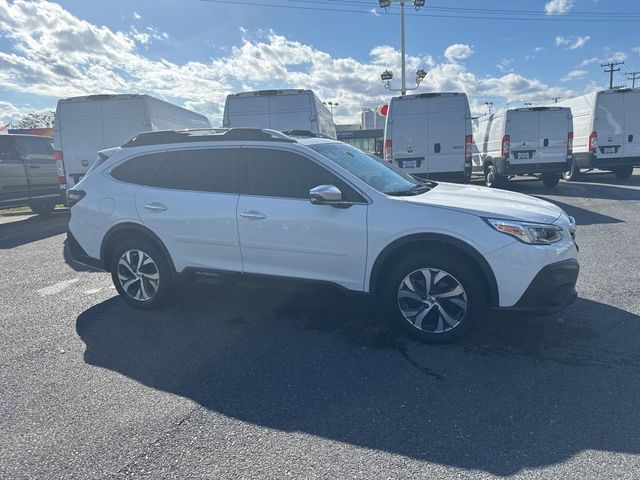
(194, 52)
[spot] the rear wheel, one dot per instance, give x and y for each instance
(550, 179)
(491, 177)
(433, 296)
(42, 207)
(140, 273)
(623, 172)
(572, 173)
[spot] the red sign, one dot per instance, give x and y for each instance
(383, 110)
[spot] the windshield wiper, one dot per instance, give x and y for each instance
(415, 190)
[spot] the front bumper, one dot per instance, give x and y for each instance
(551, 290)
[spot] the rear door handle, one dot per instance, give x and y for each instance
(253, 215)
(158, 207)
(34, 166)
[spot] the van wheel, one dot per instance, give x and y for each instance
(141, 274)
(491, 177)
(572, 173)
(550, 179)
(42, 207)
(433, 296)
(623, 172)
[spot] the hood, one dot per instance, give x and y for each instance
(489, 202)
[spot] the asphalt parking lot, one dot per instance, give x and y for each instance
(278, 381)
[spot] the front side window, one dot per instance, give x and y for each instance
(277, 173)
(30, 146)
(202, 170)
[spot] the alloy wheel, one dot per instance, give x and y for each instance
(432, 300)
(138, 275)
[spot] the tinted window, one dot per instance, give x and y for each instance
(34, 146)
(204, 170)
(275, 173)
(139, 170)
(7, 147)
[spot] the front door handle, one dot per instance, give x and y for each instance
(158, 207)
(253, 215)
(34, 166)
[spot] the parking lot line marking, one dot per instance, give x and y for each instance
(57, 287)
(91, 291)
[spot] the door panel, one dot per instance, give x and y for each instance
(523, 130)
(554, 127)
(301, 240)
(610, 125)
(446, 137)
(40, 165)
(13, 179)
(631, 144)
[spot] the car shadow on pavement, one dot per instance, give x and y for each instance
(517, 393)
(21, 231)
(597, 188)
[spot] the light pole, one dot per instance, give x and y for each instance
(387, 76)
(331, 105)
(489, 105)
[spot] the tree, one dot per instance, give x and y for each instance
(37, 120)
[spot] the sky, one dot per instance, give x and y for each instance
(195, 52)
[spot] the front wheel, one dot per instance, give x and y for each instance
(42, 207)
(623, 172)
(550, 179)
(433, 296)
(140, 274)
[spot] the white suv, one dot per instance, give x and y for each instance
(224, 203)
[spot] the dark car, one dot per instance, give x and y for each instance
(28, 173)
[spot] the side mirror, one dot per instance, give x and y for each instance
(325, 195)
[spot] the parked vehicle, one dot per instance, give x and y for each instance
(317, 209)
(606, 128)
(86, 125)
(28, 175)
(281, 110)
(523, 141)
(428, 135)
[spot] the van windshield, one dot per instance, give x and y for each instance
(374, 172)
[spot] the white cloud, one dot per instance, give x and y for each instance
(558, 7)
(137, 16)
(618, 57)
(374, 12)
(589, 61)
(572, 43)
(54, 54)
(457, 52)
(538, 49)
(575, 75)
(505, 65)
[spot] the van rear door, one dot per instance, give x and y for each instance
(247, 111)
(121, 120)
(523, 128)
(410, 126)
(447, 129)
(292, 112)
(631, 140)
(554, 130)
(609, 123)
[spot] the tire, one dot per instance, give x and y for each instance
(142, 282)
(491, 177)
(42, 207)
(623, 172)
(448, 317)
(550, 179)
(572, 173)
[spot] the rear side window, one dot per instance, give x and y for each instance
(139, 170)
(34, 146)
(277, 173)
(7, 148)
(202, 170)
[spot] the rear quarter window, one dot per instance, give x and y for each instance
(139, 170)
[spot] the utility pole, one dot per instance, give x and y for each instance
(633, 76)
(611, 70)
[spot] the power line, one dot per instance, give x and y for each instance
(548, 18)
(633, 76)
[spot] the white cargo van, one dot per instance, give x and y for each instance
(281, 110)
(428, 135)
(86, 125)
(523, 141)
(606, 128)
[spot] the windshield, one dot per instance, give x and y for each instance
(374, 172)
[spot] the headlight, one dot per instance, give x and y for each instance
(533, 233)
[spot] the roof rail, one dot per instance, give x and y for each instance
(305, 134)
(206, 135)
